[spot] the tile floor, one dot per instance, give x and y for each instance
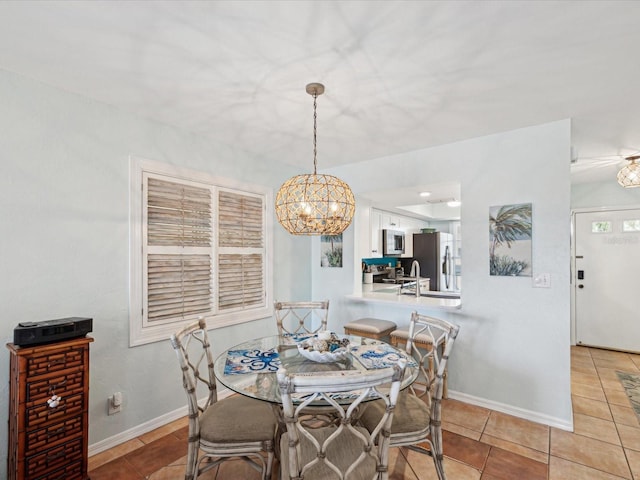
(479, 444)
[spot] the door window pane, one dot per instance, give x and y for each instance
(601, 227)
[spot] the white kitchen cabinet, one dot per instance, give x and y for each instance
(409, 227)
(390, 221)
(375, 233)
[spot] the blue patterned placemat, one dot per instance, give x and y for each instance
(380, 356)
(295, 338)
(251, 361)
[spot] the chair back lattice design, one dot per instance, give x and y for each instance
(301, 317)
(196, 361)
(234, 427)
(341, 451)
(432, 355)
(443, 335)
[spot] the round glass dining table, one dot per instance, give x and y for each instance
(250, 367)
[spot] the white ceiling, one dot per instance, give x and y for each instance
(399, 76)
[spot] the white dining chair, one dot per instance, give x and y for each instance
(339, 451)
(235, 426)
(418, 420)
(301, 317)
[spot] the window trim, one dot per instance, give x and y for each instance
(138, 333)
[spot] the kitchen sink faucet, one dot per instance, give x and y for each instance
(415, 272)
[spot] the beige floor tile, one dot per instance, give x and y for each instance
(624, 415)
(593, 392)
(617, 397)
(633, 458)
(454, 470)
(589, 452)
(583, 366)
(593, 408)
(630, 437)
(579, 351)
(636, 360)
(517, 430)
(118, 451)
(601, 353)
(464, 414)
(399, 469)
(607, 373)
(515, 448)
(583, 377)
(164, 430)
(612, 384)
(619, 363)
(465, 432)
(597, 428)
(560, 469)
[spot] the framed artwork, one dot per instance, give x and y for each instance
(510, 232)
(331, 250)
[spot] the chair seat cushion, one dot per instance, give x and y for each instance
(410, 415)
(342, 451)
(237, 419)
(371, 325)
(403, 335)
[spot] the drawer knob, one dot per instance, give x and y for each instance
(54, 401)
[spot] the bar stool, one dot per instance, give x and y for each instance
(423, 341)
(370, 328)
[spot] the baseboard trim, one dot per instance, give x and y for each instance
(511, 410)
(145, 427)
(169, 417)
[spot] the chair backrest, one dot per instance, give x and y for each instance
(432, 360)
(342, 450)
(196, 362)
(301, 317)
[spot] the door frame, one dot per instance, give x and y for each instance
(572, 266)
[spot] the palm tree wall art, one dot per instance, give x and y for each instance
(510, 229)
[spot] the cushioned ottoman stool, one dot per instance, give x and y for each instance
(422, 341)
(370, 328)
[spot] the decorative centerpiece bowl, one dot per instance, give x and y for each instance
(324, 348)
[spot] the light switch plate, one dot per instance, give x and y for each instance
(542, 280)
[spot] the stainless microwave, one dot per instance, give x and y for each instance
(392, 242)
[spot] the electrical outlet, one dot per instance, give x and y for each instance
(542, 280)
(114, 403)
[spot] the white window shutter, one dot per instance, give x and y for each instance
(179, 238)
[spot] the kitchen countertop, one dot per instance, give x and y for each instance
(387, 294)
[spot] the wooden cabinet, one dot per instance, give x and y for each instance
(47, 439)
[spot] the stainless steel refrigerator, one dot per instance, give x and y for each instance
(434, 252)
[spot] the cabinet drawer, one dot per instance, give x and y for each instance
(61, 385)
(55, 361)
(56, 458)
(41, 439)
(41, 414)
(72, 471)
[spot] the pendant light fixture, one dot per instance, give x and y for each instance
(313, 204)
(629, 175)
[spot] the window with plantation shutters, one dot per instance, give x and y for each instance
(240, 254)
(199, 248)
(179, 238)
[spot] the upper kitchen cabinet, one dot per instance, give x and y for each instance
(390, 221)
(375, 233)
(411, 226)
(380, 220)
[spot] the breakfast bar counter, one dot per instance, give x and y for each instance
(389, 295)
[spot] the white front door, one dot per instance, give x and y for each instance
(606, 279)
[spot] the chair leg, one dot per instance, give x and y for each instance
(193, 452)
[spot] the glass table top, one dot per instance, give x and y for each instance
(250, 367)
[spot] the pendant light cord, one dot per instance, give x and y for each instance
(315, 127)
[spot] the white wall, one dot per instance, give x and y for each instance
(64, 206)
(513, 352)
(603, 194)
